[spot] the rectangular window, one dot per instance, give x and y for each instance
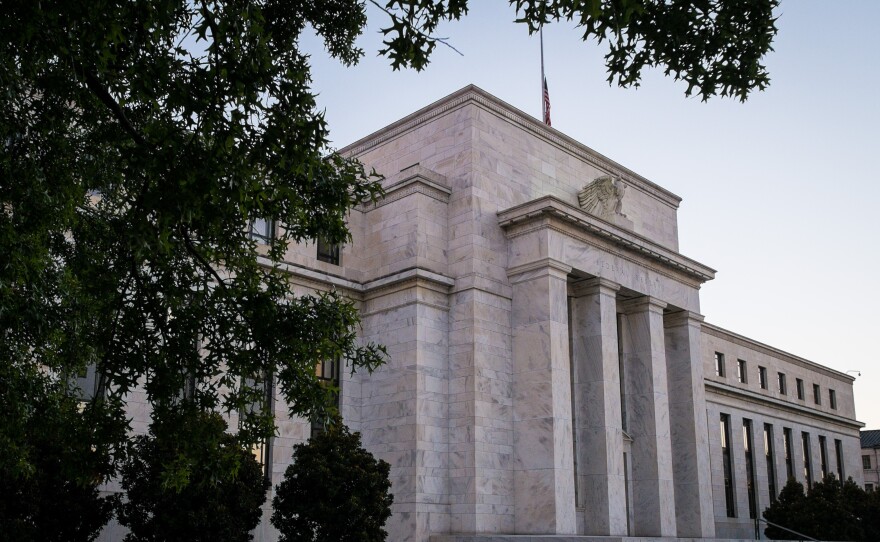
(866, 462)
(265, 402)
(832, 399)
(823, 456)
(719, 364)
(328, 252)
(750, 468)
(869, 488)
(787, 449)
(780, 381)
(799, 384)
(808, 465)
(762, 377)
(328, 374)
(728, 466)
(261, 230)
(741, 373)
(771, 461)
(838, 451)
(817, 394)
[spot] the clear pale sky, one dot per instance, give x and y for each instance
(780, 194)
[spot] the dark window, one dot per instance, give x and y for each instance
(328, 373)
(741, 373)
(823, 457)
(808, 465)
(817, 394)
(261, 230)
(719, 364)
(866, 462)
(263, 403)
(762, 377)
(750, 468)
(771, 461)
(780, 381)
(832, 399)
(328, 252)
(787, 449)
(88, 384)
(799, 384)
(728, 465)
(869, 488)
(838, 451)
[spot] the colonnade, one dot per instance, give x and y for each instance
(608, 412)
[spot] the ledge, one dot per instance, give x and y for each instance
(777, 404)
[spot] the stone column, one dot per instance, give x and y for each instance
(648, 419)
(687, 424)
(596, 398)
(542, 432)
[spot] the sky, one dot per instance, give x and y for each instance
(780, 193)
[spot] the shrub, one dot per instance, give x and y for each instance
(335, 491)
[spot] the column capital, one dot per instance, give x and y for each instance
(643, 303)
(538, 268)
(595, 285)
(682, 318)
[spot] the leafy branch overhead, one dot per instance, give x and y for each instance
(715, 46)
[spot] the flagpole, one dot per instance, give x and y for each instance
(541, 33)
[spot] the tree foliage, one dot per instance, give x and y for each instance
(198, 505)
(334, 491)
(715, 46)
(51, 461)
(829, 510)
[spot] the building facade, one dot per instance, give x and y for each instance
(550, 372)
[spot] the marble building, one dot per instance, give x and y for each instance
(550, 372)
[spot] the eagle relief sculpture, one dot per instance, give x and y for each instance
(604, 198)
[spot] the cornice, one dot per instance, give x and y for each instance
(538, 211)
(768, 350)
(776, 404)
(474, 95)
(415, 180)
(406, 279)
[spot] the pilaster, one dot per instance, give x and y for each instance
(688, 426)
(597, 413)
(543, 464)
(648, 419)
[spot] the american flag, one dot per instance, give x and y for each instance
(546, 104)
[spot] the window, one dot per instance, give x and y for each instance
(823, 456)
(263, 388)
(741, 373)
(780, 381)
(750, 468)
(817, 394)
(832, 399)
(88, 384)
(771, 461)
(869, 488)
(838, 451)
(728, 466)
(261, 230)
(866, 462)
(799, 384)
(328, 252)
(719, 364)
(789, 457)
(762, 377)
(328, 373)
(808, 466)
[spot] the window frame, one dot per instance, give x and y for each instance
(799, 385)
(781, 383)
(328, 252)
(742, 374)
(264, 236)
(762, 377)
(817, 395)
(720, 369)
